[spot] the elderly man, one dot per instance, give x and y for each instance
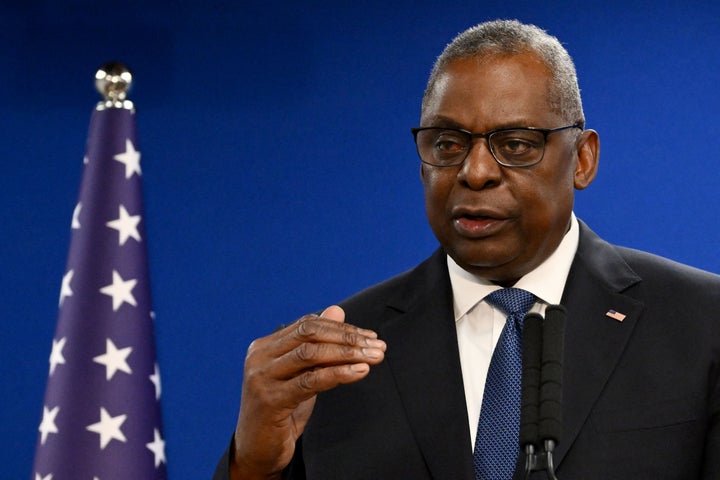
(417, 377)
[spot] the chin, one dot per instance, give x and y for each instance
(496, 268)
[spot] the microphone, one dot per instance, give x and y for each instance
(532, 342)
(541, 403)
(550, 424)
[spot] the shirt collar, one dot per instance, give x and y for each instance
(546, 281)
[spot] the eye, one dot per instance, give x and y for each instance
(515, 146)
(517, 143)
(449, 142)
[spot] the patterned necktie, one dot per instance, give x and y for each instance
(496, 444)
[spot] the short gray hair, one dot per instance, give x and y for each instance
(510, 37)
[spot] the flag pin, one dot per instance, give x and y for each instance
(615, 315)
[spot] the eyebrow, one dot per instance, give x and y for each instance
(447, 122)
(442, 121)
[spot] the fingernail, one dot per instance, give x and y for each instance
(373, 343)
(367, 333)
(360, 367)
(372, 353)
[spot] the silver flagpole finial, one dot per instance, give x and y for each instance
(113, 81)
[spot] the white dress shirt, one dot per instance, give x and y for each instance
(479, 324)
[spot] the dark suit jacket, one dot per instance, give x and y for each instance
(641, 397)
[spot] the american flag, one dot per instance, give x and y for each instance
(615, 315)
(101, 415)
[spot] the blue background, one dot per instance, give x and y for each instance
(280, 175)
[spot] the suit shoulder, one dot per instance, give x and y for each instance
(670, 282)
(649, 266)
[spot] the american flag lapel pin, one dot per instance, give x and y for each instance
(615, 315)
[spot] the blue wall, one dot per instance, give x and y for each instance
(280, 174)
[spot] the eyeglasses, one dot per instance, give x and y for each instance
(511, 147)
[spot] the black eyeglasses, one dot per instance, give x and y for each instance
(511, 147)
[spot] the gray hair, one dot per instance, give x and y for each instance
(510, 37)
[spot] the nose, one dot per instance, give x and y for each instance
(480, 170)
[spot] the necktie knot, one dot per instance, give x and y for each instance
(515, 302)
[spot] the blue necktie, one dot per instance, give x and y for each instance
(496, 444)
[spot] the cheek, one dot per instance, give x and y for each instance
(548, 203)
(437, 188)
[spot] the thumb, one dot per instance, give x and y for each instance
(333, 312)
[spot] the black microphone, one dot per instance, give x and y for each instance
(530, 386)
(541, 400)
(550, 425)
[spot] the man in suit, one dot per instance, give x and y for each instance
(391, 384)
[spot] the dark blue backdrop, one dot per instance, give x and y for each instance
(280, 175)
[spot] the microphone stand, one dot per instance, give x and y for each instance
(543, 460)
(549, 448)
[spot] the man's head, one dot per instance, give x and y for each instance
(497, 221)
(510, 37)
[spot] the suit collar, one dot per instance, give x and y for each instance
(602, 260)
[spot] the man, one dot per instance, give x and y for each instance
(396, 382)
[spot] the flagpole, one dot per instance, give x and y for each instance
(101, 414)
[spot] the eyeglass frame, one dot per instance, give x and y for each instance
(487, 136)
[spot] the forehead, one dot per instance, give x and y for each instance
(483, 93)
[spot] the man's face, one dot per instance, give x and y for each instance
(495, 221)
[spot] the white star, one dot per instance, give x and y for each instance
(157, 446)
(155, 379)
(86, 160)
(76, 216)
(46, 477)
(47, 426)
(126, 225)
(56, 355)
(131, 159)
(108, 428)
(120, 291)
(114, 359)
(65, 289)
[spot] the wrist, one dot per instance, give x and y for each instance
(241, 470)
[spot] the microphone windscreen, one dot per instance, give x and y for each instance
(550, 424)
(530, 396)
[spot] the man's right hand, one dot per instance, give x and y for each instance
(283, 374)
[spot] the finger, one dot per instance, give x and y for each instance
(314, 329)
(311, 343)
(311, 355)
(312, 382)
(334, 312)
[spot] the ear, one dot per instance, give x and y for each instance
(588, 151)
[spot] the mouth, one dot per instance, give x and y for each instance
(478, 224)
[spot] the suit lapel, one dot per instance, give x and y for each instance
(423, 357)
(594, 341)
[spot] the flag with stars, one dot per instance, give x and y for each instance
(101, 415)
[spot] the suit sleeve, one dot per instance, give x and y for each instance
(294, 471)
(711, 461)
